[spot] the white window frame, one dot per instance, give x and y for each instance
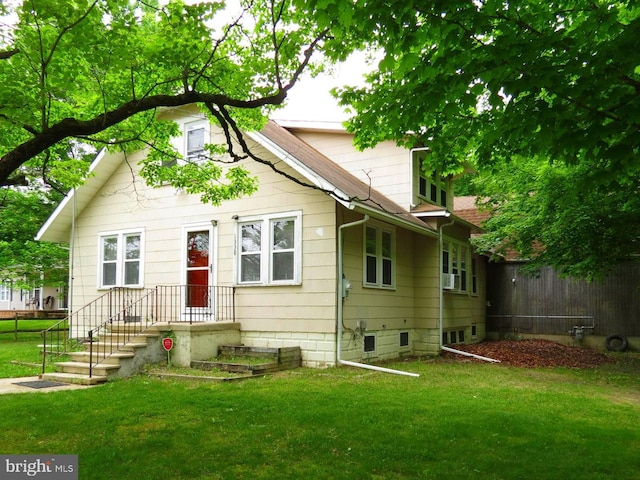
(200, 155)
(474, 275)
(380, 257)
(266, 249)
(5, 292)
(457, 263)
(120, 259)
(434, 182)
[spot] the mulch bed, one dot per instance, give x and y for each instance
(532, 354)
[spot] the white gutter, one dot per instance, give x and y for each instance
(441, 302)
(340, 299)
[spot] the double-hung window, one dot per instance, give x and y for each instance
(270, 249)
(5, 292)
(379, 256)
(455, 264)
(120, 259)
(434, 187)
(195, 138)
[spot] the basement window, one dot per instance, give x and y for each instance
(404, 339)
(369, 343)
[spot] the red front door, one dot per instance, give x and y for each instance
(198, 268)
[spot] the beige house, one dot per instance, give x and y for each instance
(373, 250)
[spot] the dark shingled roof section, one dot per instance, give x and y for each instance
(337, 176)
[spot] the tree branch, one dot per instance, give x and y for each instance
(6, 54)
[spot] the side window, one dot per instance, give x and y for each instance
(379, 257)
(455, 267)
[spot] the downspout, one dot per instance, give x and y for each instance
(441, 302)
(71, 262)
(340, 298)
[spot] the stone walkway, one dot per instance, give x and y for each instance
(8, 385)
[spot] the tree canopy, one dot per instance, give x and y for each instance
(542, 98)
(97, 72)
(23, 261)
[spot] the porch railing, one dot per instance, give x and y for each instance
(140, 308)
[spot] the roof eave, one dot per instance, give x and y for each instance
(393, 219)
(318, 181)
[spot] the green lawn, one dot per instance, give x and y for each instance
(24, 350)
(458, 421)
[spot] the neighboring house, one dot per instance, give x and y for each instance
(41, 298)
(373, 251)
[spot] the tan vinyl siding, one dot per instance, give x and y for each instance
(387, 167)
(125, 202)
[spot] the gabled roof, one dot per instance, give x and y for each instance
(316, 168)
(333, 179)
(57, 228)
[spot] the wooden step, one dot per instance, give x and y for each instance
(78, 379)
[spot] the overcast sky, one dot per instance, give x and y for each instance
(310, 100)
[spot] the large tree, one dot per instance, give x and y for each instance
(507, 86)
(23, 261)
(98, 71)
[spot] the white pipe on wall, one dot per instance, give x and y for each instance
(339, 315)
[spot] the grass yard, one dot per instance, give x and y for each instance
(23, 352)
(458, 421)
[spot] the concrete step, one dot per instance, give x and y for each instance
(113, 358)
(127, 337)
(115, 347)
(75, 378)
(134, 327)
(100, 369)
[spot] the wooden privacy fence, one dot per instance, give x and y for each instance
(547, 304)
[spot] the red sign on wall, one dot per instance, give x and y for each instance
(167, 343)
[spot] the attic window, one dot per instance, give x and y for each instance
(196, 134)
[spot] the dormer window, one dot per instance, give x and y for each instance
(433, 189)
(429, 188)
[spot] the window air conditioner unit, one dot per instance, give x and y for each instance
(448, 281)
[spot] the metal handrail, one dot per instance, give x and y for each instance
(133, 313)
(62, 343)
(146, 307)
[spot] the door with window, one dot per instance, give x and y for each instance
(198, 299)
